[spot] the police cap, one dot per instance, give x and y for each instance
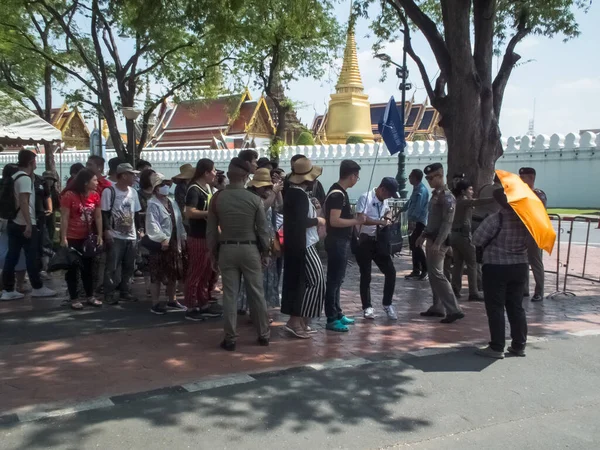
(526, 171)
(433, 168)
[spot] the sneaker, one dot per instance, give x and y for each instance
(475, 297)
(194, 316)
(391, 312)
(158, 309)
(412, 276)
(537, 298)
(512, 351)
(176, 306)
(488, 352)
(11, 295)
(43, 292)
(347, 320)
(369, 313)
(451, 318)
(424, 277)
(213, 310)
(127, 297)
(44, 275)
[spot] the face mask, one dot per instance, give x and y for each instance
(163, 190)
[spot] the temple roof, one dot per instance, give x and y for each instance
(201, 123)
(422, 120)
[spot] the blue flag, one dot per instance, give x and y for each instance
(391, 128)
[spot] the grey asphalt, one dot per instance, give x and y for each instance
(548, 400)
(580, 233)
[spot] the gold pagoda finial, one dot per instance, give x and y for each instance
(350, 80)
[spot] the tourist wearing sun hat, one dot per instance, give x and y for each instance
(181, 180)
(303, 277)
(166, 236)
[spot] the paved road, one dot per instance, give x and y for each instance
(580, 231)
(548, 400)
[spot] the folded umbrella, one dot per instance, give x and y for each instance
(529, 208)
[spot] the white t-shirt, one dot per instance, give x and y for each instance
(312, 234)
(375, 209)
(126, 204)
(24, 185)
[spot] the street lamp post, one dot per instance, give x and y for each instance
(402, 74)
(131, 114)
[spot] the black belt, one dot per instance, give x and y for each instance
(238, 242)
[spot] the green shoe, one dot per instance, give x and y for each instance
(337, 325)
(347, 321)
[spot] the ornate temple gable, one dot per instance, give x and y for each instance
(75, 133)
(261, 122)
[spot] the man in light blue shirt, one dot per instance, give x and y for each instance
(416, 209)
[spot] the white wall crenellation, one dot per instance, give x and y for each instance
(568, 166)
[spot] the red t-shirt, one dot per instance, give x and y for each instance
(81, 213)
(103, 183)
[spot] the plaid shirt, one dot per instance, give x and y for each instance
(510, 246)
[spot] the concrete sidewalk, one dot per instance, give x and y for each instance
(451, 400)
(52, 355)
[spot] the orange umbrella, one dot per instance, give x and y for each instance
(529, 208)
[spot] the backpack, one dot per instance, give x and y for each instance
(479, 249)
(8, 203)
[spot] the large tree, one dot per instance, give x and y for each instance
(464, 36)
(122, 45)
(285, 40)
(23, 74)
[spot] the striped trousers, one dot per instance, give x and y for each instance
(314, 294)
(199, 273)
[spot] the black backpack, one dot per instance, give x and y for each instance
(8, 204)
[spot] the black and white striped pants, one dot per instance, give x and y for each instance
(314, 294)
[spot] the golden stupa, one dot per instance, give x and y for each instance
(349, 111)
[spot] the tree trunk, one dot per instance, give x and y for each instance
(282, 120)
(48, 148)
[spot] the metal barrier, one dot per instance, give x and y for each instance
(558, 263)
(588, 221)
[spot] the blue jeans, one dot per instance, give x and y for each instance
(337, 260)
(16, 242)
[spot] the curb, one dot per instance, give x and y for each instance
(45, 411)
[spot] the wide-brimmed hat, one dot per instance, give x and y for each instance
(261, 178)
(186, 172)
(303, 170)
(50, 175)
(156, 179)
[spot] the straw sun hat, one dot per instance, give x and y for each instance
(262, 178)
(303, 170)
(186, 172)
(156, 179)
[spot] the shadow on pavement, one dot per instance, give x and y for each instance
(317, 402)
(463, 360)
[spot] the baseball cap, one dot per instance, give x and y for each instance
(391, 185)
(125, 168)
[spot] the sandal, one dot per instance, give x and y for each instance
(296, 332)
(93, 301)
(77, 305)
(309, 329)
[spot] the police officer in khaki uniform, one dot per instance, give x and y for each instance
(240, 216)
(441, 214)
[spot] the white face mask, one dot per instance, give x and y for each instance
(163, 190)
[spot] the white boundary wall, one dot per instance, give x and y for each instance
(568, 167)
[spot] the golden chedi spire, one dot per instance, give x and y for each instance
(349, 112)
(350, 80)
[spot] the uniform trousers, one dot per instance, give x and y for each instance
(236, 260)
(444, 299)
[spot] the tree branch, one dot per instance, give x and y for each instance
(10, 81)
(162, 58)
(411, 52)
(508, 63)
(484, 15)
(429, 30)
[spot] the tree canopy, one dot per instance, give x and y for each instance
(464, 36)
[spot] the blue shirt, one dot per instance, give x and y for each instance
(417, 206)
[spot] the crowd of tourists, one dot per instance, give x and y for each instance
(261, 231)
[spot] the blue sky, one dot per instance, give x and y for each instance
(563, 79)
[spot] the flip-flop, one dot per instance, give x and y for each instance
(296, 333)
(77, 306)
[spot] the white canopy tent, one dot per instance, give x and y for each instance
(20, 126)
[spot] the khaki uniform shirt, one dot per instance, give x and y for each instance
(240, 216)
(441, 214)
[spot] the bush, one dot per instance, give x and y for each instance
(305, 138)
(354, 140)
